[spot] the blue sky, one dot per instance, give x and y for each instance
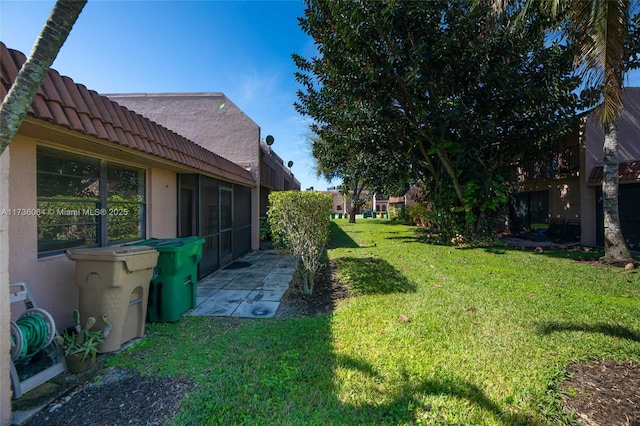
(240, 48)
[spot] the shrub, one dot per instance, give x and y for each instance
(300, 223)
(265, 229)
(398, 213)
(419, 215)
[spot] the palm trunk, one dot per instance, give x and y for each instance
(615, 247)
(17, 102)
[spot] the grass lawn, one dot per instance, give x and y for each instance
(432, 335)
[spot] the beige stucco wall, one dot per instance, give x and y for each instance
(5, 338)
(209, 119)
(51, 279)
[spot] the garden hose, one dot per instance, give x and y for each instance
(17, 341)
(33, 331)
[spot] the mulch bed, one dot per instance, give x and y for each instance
(598, 393)
(327, 292)
(603, 393)
(119, 397)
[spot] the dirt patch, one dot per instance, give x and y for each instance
(603, 393)
(118, 397)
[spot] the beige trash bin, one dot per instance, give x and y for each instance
(115, 281)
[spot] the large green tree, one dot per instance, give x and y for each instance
(434, 95)
(606, 34)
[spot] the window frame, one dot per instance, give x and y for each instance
(102, 202)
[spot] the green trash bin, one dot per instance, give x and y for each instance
(174, 285)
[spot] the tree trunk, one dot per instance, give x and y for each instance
(17, 102)
(355, 196)
(615, 248)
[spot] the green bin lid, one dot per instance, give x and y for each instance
(168, 244)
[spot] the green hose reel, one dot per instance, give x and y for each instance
(32, 332)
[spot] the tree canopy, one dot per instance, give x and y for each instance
(425, 91)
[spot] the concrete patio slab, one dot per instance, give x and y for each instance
(216, 284)
(251, 292)
(266, 295)
(243, 284)
(273, 286)
(256, 309)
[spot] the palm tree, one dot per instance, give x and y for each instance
(13, 110)
(600, 30)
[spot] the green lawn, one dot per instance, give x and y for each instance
(488, 336)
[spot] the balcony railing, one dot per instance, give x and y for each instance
(557, 164)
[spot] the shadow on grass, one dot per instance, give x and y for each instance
(339, 238)
(614, 330)
(288, 372)
(416, 394)
(371, 275)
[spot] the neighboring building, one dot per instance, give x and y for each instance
(407, 200)
(214, 122)
(377, 203)
(567, 185)
(380, 203)
(343, 203)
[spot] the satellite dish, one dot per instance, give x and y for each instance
(289, 164)
(270, 140)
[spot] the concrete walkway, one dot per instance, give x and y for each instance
(253, 291)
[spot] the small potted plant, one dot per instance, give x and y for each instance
(81, 343)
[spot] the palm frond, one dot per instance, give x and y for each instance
(600, 28)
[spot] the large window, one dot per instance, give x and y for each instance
(84, 201)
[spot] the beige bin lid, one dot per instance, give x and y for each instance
(135, 257)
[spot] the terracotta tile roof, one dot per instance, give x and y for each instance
(626, 172)
(62, 102)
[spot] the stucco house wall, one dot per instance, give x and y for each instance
(5, 339)
(209, 119)
(162, 189)
(51, 279)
